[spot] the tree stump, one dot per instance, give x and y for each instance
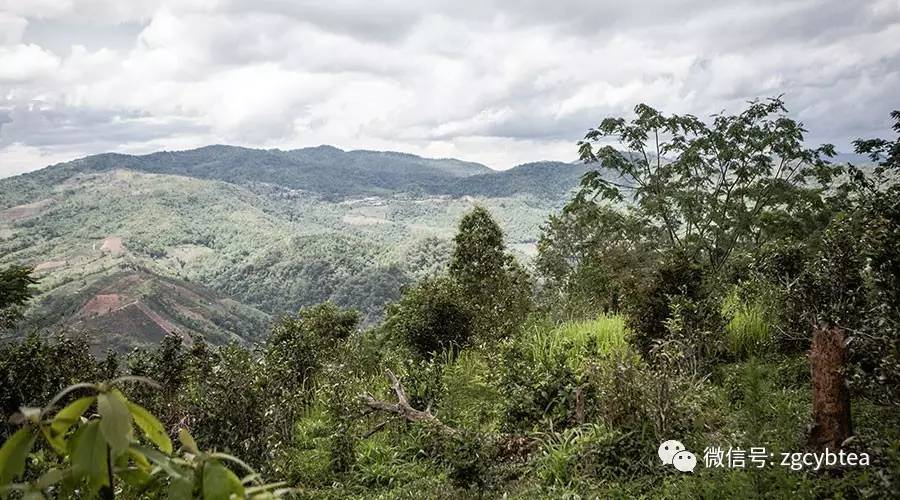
(830, 397)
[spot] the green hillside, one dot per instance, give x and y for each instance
(271, 231)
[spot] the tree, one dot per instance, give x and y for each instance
(587, 257)
(432, 317)
(875, 349)
(851, 296)
(295, 351)
(495, 287)
(709, 188)
(16, 289)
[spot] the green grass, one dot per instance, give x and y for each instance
(577, 341)
(747, 332)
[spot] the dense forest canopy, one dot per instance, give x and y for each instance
(711, 284)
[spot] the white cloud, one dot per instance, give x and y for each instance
(11, 28)
(496, 82)
(21, 63)
(18, 158)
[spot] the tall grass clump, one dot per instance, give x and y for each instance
(747, 331)
(574, 342)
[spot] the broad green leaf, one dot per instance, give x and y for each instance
(14, 453)
(187, 441)
(151, 426)
(134, 476)
(139, 459)
(181, 488)
(164, 462)
(115, 421)
(219, 483)
(64, 420)
(88, 455)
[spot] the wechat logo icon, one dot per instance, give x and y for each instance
(672, 452)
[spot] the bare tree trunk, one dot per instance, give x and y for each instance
(830, 397)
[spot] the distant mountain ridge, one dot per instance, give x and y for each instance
(327, 171)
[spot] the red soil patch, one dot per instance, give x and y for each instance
(101, 304)
(153, 315)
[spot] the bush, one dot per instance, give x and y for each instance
(431, 317)
(631, 395)
(649, 305)
(33, 370)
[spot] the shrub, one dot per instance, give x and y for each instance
(631, 395)
(649, 306)
(33, 370)
(99, 453)
(431, 317)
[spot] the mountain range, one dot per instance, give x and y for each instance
(218, 241)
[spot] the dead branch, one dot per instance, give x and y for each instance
(402, 407)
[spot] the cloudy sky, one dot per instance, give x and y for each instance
(491, 81)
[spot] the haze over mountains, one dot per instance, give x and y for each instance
(215, 241)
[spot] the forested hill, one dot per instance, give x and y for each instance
(218, 239)
(326, 171)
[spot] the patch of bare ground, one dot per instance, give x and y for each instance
(113, 246)
(100, 304)
(21, 212)
(49, 265)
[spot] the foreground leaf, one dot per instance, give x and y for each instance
(88, 454)
(151, 426)
(115, 421)
(219, 483)
(14, 453)
(49, 478)
(65, 419)
(187, 441)
(181, 488)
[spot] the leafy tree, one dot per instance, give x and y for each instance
(296, 349)
(15, 291)
(587, 255)
(432, 317)
(496, 288)
(35, 368)
(868, 304)
(709, 188)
